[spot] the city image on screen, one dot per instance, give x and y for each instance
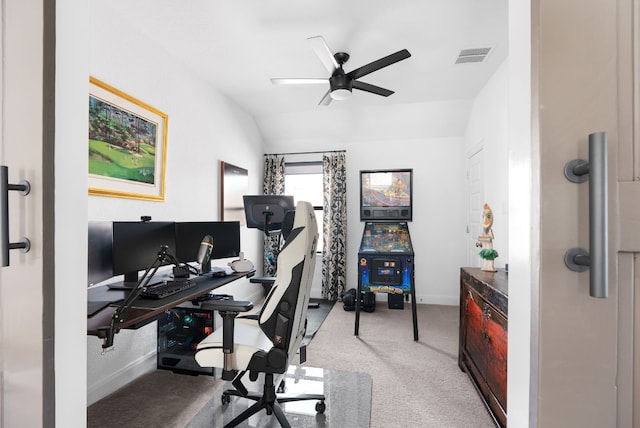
(386, 188)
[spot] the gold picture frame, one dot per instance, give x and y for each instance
(127, 145)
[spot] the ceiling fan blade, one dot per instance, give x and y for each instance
(381, 63)
(298, 81)
(371, 88)
(326, 100)
(321, 49)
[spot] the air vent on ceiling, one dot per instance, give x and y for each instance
(472, 55)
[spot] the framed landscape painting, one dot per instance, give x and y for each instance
(127, 145)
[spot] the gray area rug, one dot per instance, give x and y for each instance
(315, 317)
(348, 402)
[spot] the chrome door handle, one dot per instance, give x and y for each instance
(24, 188)
(597, 259)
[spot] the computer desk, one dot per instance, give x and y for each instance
(144, 311)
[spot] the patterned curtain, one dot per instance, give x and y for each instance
(334, 225)
(273, 185)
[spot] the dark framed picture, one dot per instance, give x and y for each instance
(234, 184)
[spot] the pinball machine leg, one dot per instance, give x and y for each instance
(358, 296)
(414, 311)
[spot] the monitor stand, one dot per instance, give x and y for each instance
(129, 283)
(121, 286)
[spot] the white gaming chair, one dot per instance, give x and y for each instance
(267, 344)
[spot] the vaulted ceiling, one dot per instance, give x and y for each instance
(240, 45)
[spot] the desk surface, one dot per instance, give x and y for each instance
(144, 311)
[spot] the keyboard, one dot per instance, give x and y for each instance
(166, 288)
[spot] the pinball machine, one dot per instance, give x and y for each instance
(385, 256)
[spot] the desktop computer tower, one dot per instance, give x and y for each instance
(179, 332)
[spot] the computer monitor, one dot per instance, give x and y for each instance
(99, 243)
(226, 239)
(136, 246)
(267, 212)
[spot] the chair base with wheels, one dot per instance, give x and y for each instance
(270, 401)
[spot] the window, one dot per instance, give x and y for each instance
(303, 181)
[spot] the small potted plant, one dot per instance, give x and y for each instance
(488, 255)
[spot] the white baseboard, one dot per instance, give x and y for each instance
(438, 300)
(120, 378)
(428, 299)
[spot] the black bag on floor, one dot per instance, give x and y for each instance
(367, 300)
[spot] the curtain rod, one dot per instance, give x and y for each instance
(306, 153)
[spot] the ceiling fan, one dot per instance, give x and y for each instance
(341, 83)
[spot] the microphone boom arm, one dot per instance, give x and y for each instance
(107, 333)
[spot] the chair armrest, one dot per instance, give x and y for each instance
(268, 280)
(228, 310)
(228, 305)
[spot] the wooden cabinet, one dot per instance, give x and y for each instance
(483, 336)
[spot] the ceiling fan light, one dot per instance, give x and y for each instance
(340, 94)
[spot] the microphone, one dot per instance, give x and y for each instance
(204, 253)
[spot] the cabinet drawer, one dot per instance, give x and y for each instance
(496, 336)
(476, 344)
(486, 343)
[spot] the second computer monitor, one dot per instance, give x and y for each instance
(226, 239)
(136, 246)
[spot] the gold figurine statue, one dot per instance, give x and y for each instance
(487, 221)
(485, 240)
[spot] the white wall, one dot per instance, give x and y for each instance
(437, 229)
(204, 128)
(488, 128)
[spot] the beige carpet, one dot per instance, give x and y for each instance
(415, 384)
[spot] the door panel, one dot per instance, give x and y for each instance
(576, 64)
(589, 355)
(475, 201)
(634, 408)
(21, 291)
(628, 346)
(629, 202)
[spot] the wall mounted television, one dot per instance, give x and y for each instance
(386, 194)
